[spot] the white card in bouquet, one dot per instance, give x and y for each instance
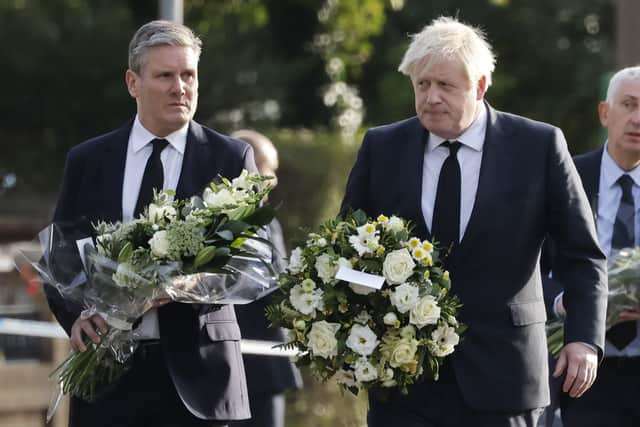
(358, 277)
(81, 247)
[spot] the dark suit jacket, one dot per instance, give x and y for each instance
(209, 375)
(267, 375)
(528, 188)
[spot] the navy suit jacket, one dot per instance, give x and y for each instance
(528, 188)
(209, 374)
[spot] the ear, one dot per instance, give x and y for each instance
(603, 112)
(131, 79)
(481, 88)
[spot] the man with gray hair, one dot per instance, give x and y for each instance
(187, 370)
(487, 187)
(611, 178)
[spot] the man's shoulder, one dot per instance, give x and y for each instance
(101, 142)
(515, 121)
(205, 134)
(412, 123)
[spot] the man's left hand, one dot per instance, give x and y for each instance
(629, 315)
(581, 363)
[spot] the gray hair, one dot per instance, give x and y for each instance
(448, 38)
(629, 73)
(160, 33)
(265, 152)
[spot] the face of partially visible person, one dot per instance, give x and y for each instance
(621, 117)
(166, 90)
(446, 101)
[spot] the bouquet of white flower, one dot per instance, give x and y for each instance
(204, 249)
(368, 304)
(623, 294)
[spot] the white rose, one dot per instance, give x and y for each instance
(391, 319)
(403, 353)
(398, 266)
(322, 339)
(362, 340)
(394, 224)
(326, 268)
(296, 262)
(444, 340)
(426, 312)
(405, 297)
(159, 244)
(158, 213)
(217, 199)
(365, 371)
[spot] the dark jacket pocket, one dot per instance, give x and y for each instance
(527, 313)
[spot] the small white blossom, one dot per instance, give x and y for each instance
(296, 261)
(394, 224)
(391, 319)
(364, 371)
(405, 297)
(218, 199)
(362, 340)
(159, 244)
(326, 268)
(444, 340)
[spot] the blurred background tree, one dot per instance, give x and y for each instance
(311, 74)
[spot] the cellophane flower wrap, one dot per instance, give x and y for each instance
(623, 294)
(209, 249)
(361, 336)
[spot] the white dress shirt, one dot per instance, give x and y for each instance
(138, 152)
(469, 157)
(609, 197)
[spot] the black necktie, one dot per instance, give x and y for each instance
(446, 211)
(624, 237)
(153, 176)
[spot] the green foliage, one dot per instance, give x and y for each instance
(313, 174)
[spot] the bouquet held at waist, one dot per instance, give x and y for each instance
(367, 304)
(209, 249)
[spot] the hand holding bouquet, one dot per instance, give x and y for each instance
(623, 294)
(206, 249)
(368, 304)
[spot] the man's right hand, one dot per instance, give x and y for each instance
(93, 327)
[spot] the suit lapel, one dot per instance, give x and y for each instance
(194, 164)
(495, 161)
(588, 167)
(112, 175)
(414, 166)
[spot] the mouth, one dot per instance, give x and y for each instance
(635, 135)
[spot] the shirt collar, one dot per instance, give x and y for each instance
(611, 172)
(472, 137)
(140, 137)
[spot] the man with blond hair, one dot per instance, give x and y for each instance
(487, 187)
(187, 370)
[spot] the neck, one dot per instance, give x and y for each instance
(624, 161)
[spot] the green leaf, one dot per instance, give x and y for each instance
(125, 253)
(205, 256)
(360, 217)
(262, 216)
(225, 234)
(234, 226)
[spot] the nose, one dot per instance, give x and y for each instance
(432, 95)
(179, 86)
